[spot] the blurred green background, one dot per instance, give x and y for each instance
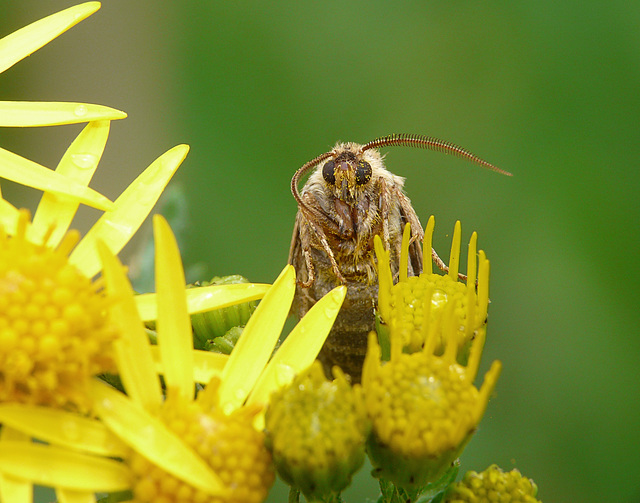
(548, 90)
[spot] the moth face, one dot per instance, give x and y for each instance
(345, 173)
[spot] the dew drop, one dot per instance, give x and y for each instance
(84, 161)
(330, 312)
(107, 404)
(80, 110)
(439, 298)
(284, 374)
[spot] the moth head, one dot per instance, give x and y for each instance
(349, 167)
(348, 171)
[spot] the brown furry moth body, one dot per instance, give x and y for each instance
(350, 198)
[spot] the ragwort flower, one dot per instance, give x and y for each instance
(423, 404)
(316, 430)
(409, 306)
(491, 485)
(210, 448)
(54, 335)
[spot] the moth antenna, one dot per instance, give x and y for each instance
(431, 143)
(301, 172)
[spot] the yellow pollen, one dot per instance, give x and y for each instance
(229, 444)
(54, 334)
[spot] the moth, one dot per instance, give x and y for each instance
(350, 198)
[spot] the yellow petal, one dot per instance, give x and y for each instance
(53, 113)
(174, 325)
(205, 364)
(152, 439)
(205, 298)
(257, 341)
(79, 164)
(8, 217)
(454, 258)
(26, 172)
(57, 467)
(117, 226)
(62, 428)
(427, 257)
(70, 496)
(133, 356)
(404, 253)
(15, 490)
(300, 347)
(23, 42)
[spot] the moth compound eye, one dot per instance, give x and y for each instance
(363, 172)
(328, 172)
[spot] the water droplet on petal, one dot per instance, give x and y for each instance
(330, 312)
(284, 374)
(80, 111)
(84, 161)
(439, 298)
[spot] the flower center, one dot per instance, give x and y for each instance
(54, 334)
(229, 444)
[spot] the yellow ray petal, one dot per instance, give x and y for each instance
(133, 356)
(8, 217)
(13, 489)
(53, 113)
(70, 496)
(23, 42)
(26, 172)
(174, 325)
(62, 428)
(117, 226)
(79, 164)
(300, 347)
(454, 258)
(257, 341)
(205, 364)
(404, 253)
(152, 439)
(205, 298)
(57, 467)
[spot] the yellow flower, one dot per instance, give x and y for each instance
(66, 187)
(409, 306)
(316, 430)
(491, 485)
(210, 449)
(49, 293)
(422, 402)
(54, 335)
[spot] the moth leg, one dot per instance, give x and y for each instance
(444, 267)
(385, 194)
(311, 272)
(325, 245)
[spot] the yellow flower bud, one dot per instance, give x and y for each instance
(316, 429)
(493, 484)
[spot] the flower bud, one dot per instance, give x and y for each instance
(210, 325)
(316, 430)
(493, 484)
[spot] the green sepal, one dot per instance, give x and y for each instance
(210, 325)
(384, 338)
(431, 493)
(226, 343)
